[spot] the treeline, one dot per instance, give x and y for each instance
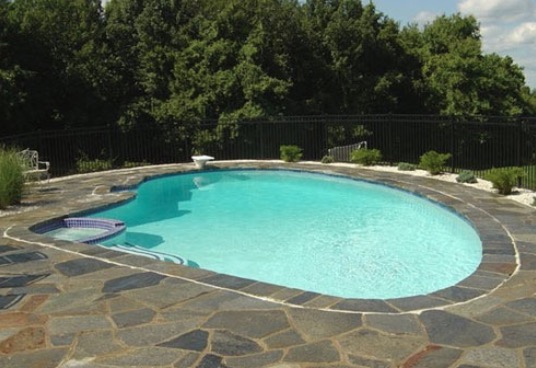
(69, 63)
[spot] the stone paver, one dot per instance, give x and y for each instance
(153, 334)
(81, 266)
(195, 340)
(434, 356)
(75, 324)
(319, 352)
(317, 324)
(369, 343)
(255, 324)
(133, 318)
(138, 281)
(44, 358)
(93, 344)
(255, 360)
(516, 336)
(404, 324)
(228, 344)
(492, 357)
(77, 305)
(448, 329)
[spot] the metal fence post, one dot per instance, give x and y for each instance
(326, 138)
(453, 144)
(519, 143)
(259, 126)
(390, 138)
(110, 145)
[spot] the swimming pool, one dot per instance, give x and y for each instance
(321, 233)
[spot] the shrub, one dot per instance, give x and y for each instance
(405, 166)
(327, 159)
(87, 166)
(11, 177)
(290, 153)
(466, 176)
(366, 156)
(131, 164)
(504, 179)
(433, 162)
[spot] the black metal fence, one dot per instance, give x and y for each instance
(476, 143)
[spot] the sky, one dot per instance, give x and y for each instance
(508, 27)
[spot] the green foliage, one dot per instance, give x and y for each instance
(405, 166)
(204, 141)
(86, 165)
(290, 153)
(11, 177)
(361, 131)
(366, 156)
(466, 176)
(504, 179)
(327, 159)
(83, 166)
(453, 75)
(130, 164)
(166, 63)
(433, 162)
(57, 61)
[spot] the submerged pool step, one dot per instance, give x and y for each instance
(161, 256)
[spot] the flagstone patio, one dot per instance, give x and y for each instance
(66, 304)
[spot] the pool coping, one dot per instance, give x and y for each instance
(112, 227)
(500, 258)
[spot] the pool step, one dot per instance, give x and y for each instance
(161, 256)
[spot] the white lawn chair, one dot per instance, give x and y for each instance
(32, 166)
(343, 153)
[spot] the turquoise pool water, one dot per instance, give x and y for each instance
(321, 233)
(74, 234)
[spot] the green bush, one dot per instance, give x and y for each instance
(327, 159)
(366, 156)
(290, 153)
(87, 166)
(404, 166)
(504, 179)
(131, 164)
(11, 177)
(433, 162)
(466, 176)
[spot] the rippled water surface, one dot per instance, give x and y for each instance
(315, 232)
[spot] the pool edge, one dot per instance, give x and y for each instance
(495, 268)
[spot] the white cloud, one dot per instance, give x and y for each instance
(498, 10)
(508, 27)
(490, 31)
(526, 58)
(424, 17)
(523, 34)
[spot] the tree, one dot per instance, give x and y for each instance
(359, 56)
(457, 78)
(58, 45)
(11, 77)
(235, 66)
